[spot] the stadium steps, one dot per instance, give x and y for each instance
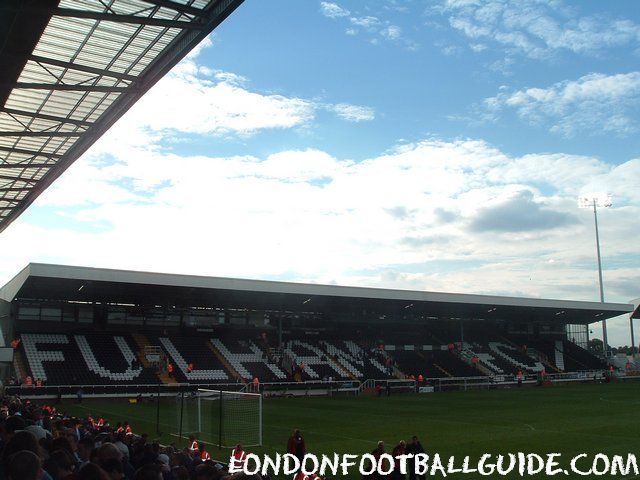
(570, 358)
(544, 360)
(509, 342)
(442, 370)
(345, 371)
(480, 366)
(142, 342)
(224, 362)
(20, 366)
(559, 353)
(511, 358)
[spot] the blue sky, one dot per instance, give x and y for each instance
(425, 145)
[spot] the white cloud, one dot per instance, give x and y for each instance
(392, 32)
(394, 220)
(194, 99)
(354, 113)
(191, 100)
(333, 10)
(315, 217)
(477, 47)
(367, 22)
(595, 103)
(375, 28)
(537, 29)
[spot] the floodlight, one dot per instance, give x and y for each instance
(598, 199)
(593, 201)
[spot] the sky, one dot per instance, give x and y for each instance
(437, 146)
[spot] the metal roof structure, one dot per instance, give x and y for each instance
(60, 282)
(70, 68)
(636, 311)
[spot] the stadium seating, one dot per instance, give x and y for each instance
(248, 360)
(577, 358)
(87, 359)
(515, 357)
(104, 358)
(207, 367)
(317, 363)
(497, 364)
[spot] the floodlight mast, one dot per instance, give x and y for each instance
(595, 201)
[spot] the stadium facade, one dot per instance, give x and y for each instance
(90, 326)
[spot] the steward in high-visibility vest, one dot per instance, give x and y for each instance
(193, 444)
(238, 456)
(204, 455)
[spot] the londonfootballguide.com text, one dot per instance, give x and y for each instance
(521, 464)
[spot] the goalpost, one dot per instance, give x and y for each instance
(222, 418)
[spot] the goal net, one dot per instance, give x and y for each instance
(222, 418)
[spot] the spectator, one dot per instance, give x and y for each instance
(91, 471)
(397, 451)
(60, 465)
(113, 468)
(25, 465)
(414, 448)
(377, 453)
(206, 471)
(148, 472)
(85, 447)
(296, 445)
(180, 473)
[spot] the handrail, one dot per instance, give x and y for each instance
(339, 385)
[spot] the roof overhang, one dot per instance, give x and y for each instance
(636, 311)
(69, 69)
(69, 283)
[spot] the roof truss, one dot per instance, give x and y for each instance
(59, 92)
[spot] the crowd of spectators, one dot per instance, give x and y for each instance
(37, 442)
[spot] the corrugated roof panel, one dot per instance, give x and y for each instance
(88, 59)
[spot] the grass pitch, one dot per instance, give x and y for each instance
(570, 420)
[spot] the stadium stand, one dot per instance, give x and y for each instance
(143, 329)
(89, 358)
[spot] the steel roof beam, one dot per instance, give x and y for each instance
(82, 68)
(107, 17)
(44, 116)
(25, 151)
(28, 133)
(27, 165)
(17, 179)
(178, 7)
(65, 87)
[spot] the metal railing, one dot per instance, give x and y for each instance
(307, 388)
